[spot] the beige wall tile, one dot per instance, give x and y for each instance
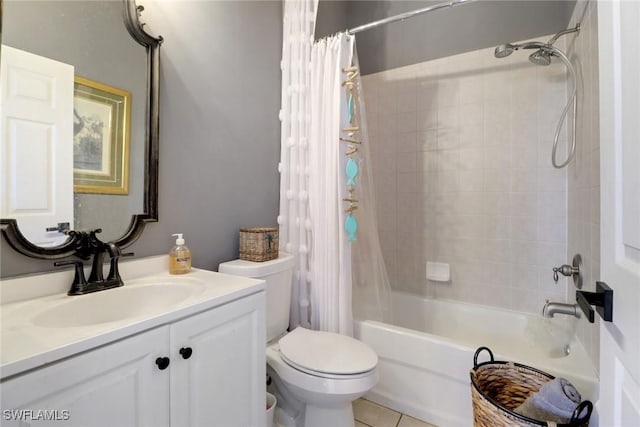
(477, 145)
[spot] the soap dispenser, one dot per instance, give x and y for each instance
(179, 257)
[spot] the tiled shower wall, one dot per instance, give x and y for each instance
(584, 172)
(461, 150)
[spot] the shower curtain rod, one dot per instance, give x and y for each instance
(403, 16)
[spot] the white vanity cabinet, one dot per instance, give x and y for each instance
(222, 383)
(116, 385)
(215, 377)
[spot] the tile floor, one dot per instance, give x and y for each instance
(369, 414)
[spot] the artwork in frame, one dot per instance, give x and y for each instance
(101, 120)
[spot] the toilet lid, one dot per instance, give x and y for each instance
(326, 352)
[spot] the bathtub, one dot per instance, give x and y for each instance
(426, 352)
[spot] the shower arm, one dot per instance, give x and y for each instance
(548, 45)
(553, 39)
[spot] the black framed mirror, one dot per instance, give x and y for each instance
(78, 241)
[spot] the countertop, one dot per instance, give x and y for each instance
(24, 345)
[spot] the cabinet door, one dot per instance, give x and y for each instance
(222, 383)
(116, 385)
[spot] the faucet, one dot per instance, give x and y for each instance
(552, 308)
(97, 275)
(97, 282)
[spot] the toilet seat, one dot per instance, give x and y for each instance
(326, 354)
(323, 374)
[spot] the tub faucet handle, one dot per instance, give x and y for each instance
(565, 270)
(572, 271)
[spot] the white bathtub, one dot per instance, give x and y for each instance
(426, 354)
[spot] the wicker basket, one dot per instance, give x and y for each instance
(497, 388)
(259, 244)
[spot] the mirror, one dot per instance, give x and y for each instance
(90, 36)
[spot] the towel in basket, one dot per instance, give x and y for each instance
(499, 387)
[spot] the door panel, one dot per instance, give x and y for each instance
(36, 129)
(619, 50)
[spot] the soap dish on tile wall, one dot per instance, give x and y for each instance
(438, 271)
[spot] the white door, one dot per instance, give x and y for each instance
(220, 380)
(119, 384)
(36, 150)
(619, 50)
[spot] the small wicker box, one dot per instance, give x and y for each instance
(259, 244)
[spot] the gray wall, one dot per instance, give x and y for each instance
(220, 83)
(219, 130)
(440, 33)
(332, 17)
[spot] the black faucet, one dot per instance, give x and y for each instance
(96, 281)
(97, 275)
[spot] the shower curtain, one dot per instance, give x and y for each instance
(371, 286)
(331, 289)
(293, 220)
(331, 269)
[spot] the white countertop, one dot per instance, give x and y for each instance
(24, 345)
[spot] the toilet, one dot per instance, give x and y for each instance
(315, 375)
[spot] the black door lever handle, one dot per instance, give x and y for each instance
(602, 299)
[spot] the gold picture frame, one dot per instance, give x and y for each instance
(101, 124)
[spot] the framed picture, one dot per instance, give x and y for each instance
(101, 120)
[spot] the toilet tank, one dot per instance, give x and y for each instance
(277, 274)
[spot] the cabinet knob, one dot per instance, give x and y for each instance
(186, 352)
(162, 362)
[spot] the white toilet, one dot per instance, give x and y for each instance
(316, 374)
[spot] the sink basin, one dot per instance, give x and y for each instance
(116, 304)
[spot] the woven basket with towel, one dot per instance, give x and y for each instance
(507, 394)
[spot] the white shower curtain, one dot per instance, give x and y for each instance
(313, 182)
(295, 225)
(331, 251)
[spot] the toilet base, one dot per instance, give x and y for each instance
(297, 409)
(323, 417)
(314, 401)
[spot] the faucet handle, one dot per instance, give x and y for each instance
(79, 280)
(572, 270)
(564, 269)
(114, 274)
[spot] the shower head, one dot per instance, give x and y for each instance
(541, 57)
(504, 50)
(507, 49)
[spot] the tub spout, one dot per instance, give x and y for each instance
(551, 308)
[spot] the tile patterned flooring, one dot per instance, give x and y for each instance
(369, 414)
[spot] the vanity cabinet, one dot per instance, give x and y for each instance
(115, 385)
(215, 377)
(222, 382)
